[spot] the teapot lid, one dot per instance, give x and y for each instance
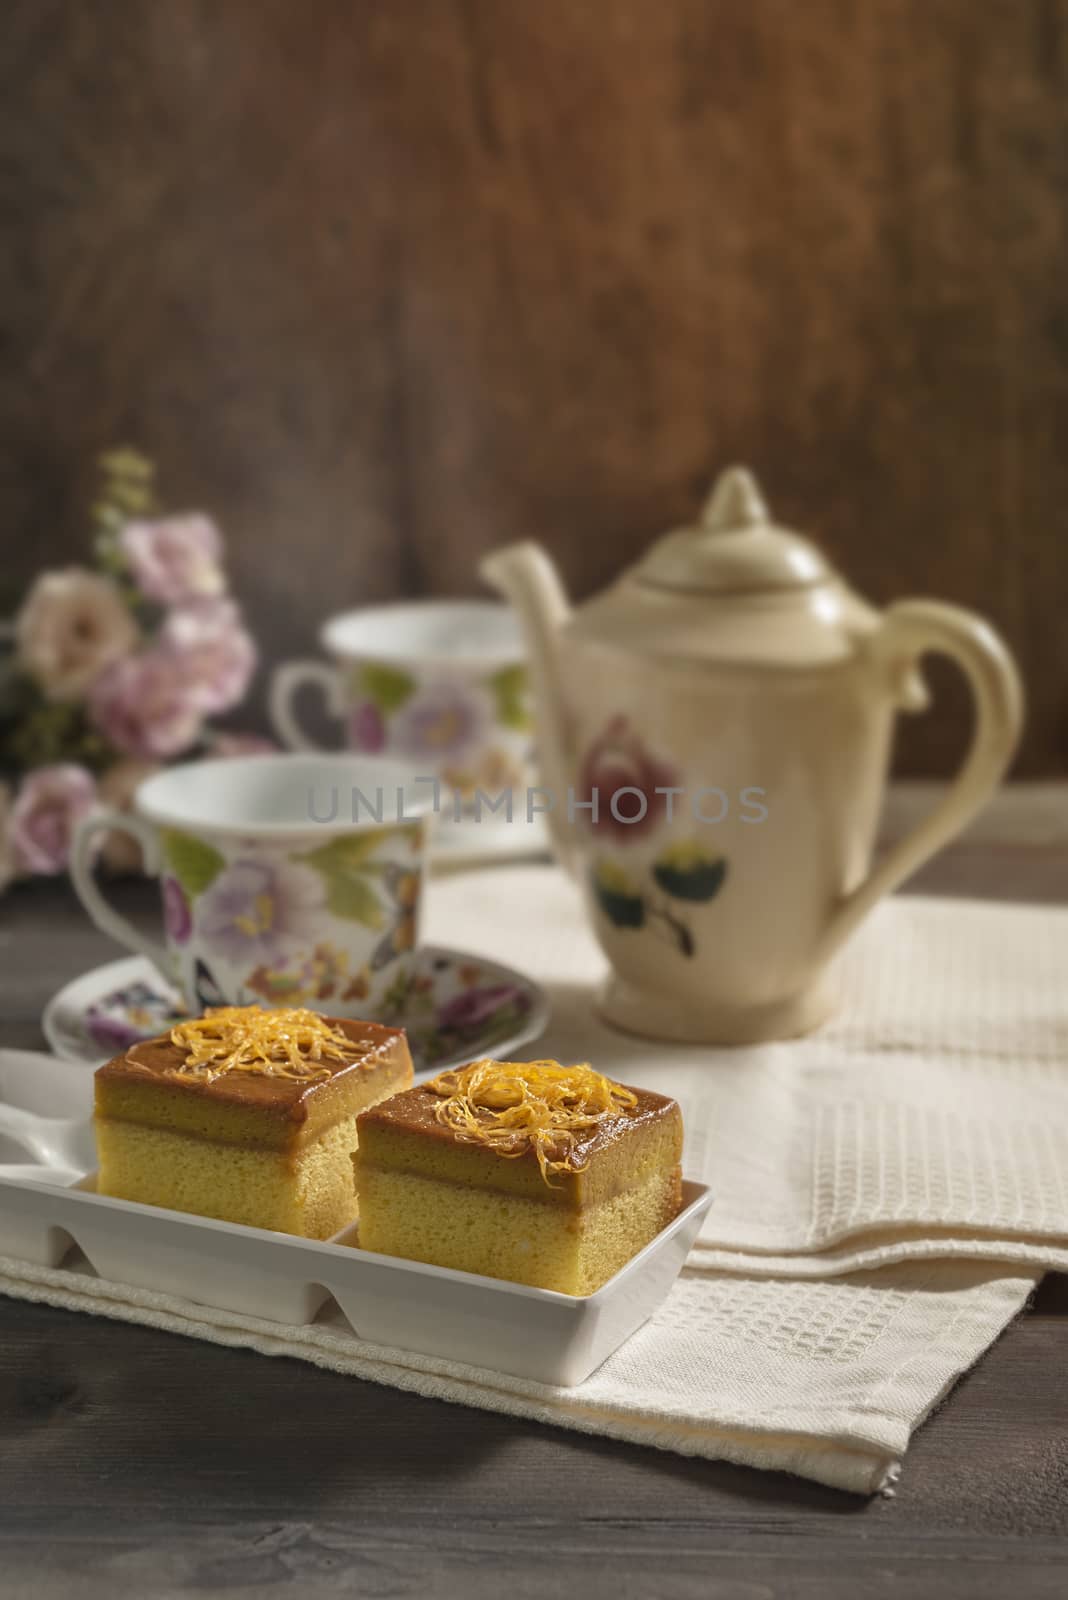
(734, 548)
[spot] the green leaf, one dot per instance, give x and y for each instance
(388, 687)
(349, 876)
(195, 864)
(353, 898)
(345, 854)
(125, 463)
(509, 688)
(686, 873)
(37, 733)
(617, 896)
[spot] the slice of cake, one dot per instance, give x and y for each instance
(552, 1176)
(247, 1115)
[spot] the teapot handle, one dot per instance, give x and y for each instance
(911, 629)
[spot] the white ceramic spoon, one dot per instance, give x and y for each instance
(53, 1141)
(54, 1177)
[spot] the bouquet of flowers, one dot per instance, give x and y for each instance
(110, 671)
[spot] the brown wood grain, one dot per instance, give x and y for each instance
(387, 284)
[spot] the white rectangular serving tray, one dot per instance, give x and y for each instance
(434, 1311)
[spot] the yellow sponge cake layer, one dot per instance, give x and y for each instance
(428, 1193)
(270, 1151)
(312, 1195)
(503, 1236)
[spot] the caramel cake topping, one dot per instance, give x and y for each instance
(282, 1043)
(515, 1106)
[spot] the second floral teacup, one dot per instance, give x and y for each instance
(440, 685)
(286, 880)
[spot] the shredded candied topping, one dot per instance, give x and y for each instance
(280, 1043)
(515, 1106)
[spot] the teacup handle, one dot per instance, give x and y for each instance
(286, 680)
(911, 629)
(107, 919)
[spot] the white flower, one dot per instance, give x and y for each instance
(72, 625)
(174, 559)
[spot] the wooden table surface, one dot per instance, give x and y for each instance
(140, 1463)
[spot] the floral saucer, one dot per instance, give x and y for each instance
(456, 1008)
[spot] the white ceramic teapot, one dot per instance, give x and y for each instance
(714, 733)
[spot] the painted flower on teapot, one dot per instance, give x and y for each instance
(627, 793)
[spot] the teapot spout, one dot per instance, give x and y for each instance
(527, 578)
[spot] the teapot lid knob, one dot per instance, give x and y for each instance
(734, 548)
(735, 502)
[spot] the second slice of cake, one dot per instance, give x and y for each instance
(247, 1115)
(548, 1175)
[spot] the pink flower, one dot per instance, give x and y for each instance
(261, 909)
(619, 760)
(367, 731)
(174, 559)
(145, 707)
(473, 1008)
(50, 803)
(215, 654)
(443, 721)
(177, 914)
(72, 625)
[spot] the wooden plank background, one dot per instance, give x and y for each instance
(385, 284)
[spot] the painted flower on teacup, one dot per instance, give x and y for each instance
(177, 917)
(324, 975)
(472, 734)
(441, 719)
(291, 925)
(260, 908)
(367, 730)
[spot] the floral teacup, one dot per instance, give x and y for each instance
(286, 880)
(439, 685)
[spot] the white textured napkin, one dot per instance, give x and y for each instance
(925, 1125)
